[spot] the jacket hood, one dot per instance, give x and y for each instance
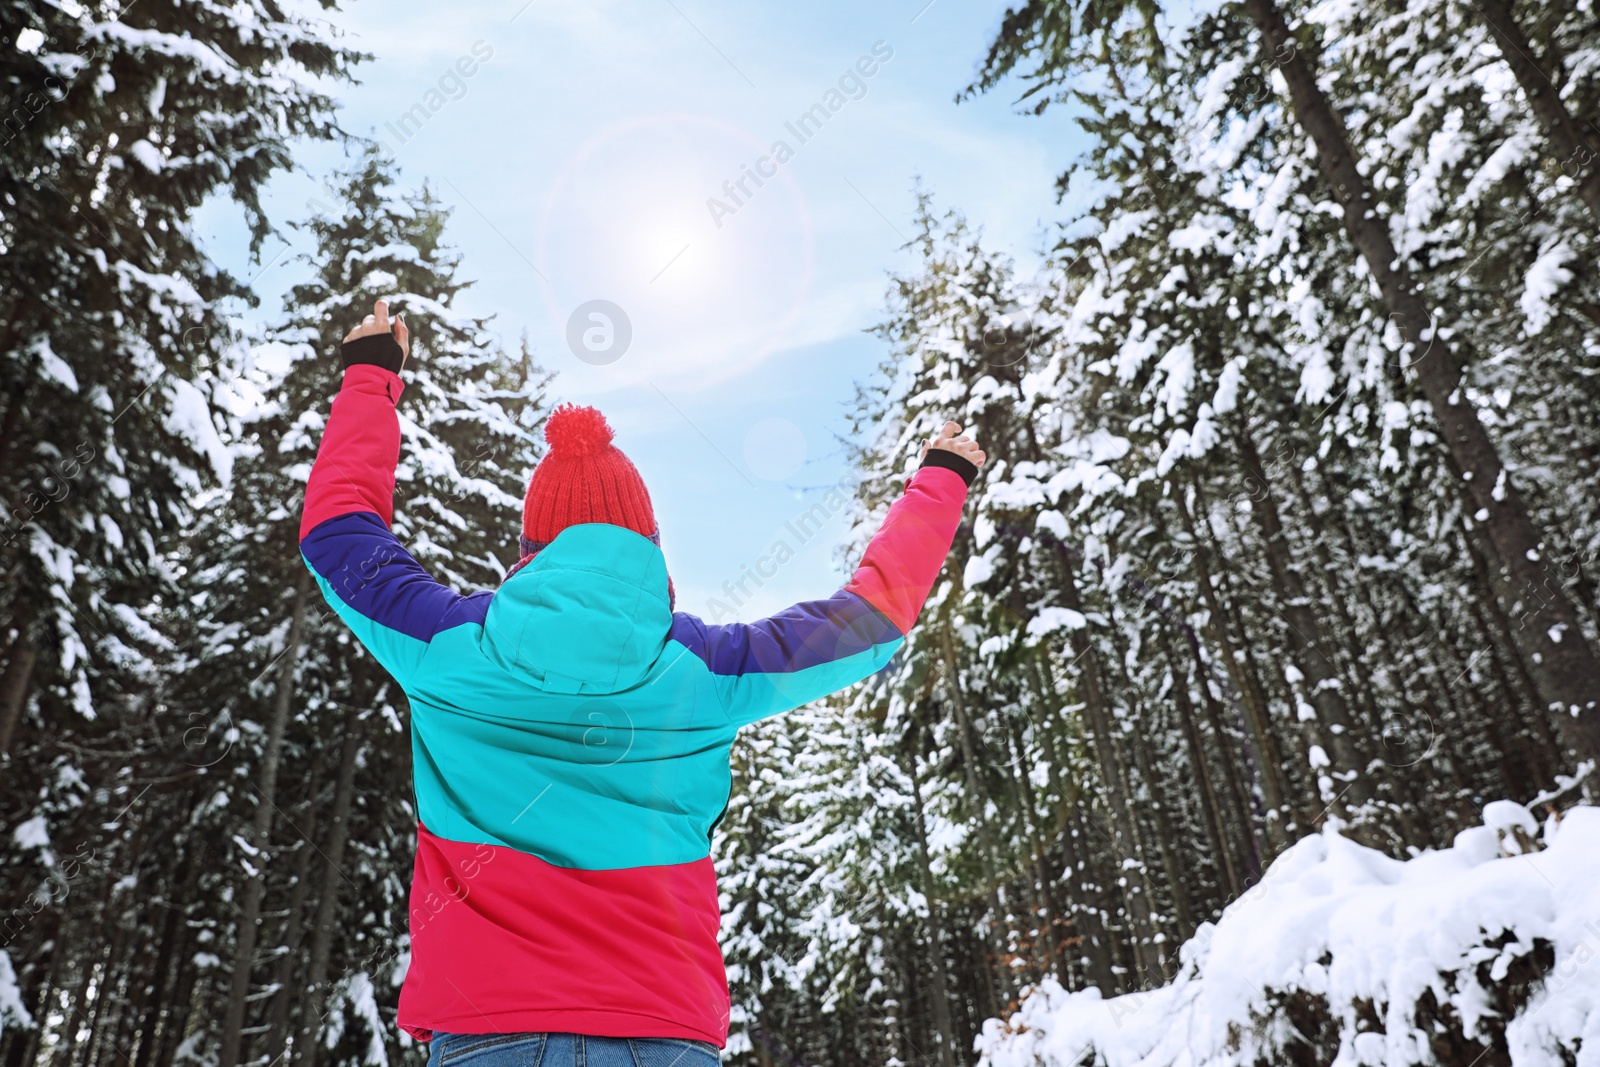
(588, 614)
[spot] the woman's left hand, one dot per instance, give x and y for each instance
(379, 322)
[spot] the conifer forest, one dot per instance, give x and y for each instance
(1253, 719)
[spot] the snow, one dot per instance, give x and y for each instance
(12, 1011)
(189, 417)
(1503, 815)
(148, 155)
(1204, 436)
(35, 833)
(1364, 934)
(53, 367)
(1123, 227)
(403, 253)
(1178, 368)
(1545, 278)
(1050, 620)
(1227, 395)
(1316, 378)
(208, 59)
(1177, 448)
(983, 531)
(64, 65)
(1053, 522)
(1137, 349)
(358, 994)
(171, 286)
(1512, 150)
(1217, 89)
(1202, 234)
(1447, 147)
(979, 569)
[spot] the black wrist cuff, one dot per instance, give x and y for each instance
(378, 350)
(951, 461)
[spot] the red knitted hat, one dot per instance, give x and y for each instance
(582, 478)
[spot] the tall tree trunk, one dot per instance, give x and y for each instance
(1082, 912)
(14, 683)
(1548, 635)
(940, 993)
(998, 918)
(1518, 666)
(1258, 646)
(1096, 951)
(159, 994)
(1210, 803)
(1028, 803)
(107, 992)
(94, 971)
(255, 858)
(1397, 641)
(1236, 808)
(175, 1028)
(1351, 649)
(293, 933)
(1335, 726)
(1578, 152)
(40, 983)
(1103, 889)
(118, 979)
(1136, 889)
(314, 1002)
(1523, 762)
(1265, 756)
(165, 1015)
(8, 425)
(66, 1051)
(1137, 740)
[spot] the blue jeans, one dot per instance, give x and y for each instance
(567, 1050)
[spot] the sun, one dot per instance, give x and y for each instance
(668, 256)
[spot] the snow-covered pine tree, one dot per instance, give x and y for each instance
(931, 806)
(956, 354)
(1208, 466)
(1284, 50)
(311, 912)
(1498, 220)
(119, 122)
(113, 348)
(761, 893)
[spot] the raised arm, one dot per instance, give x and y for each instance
(393, 606)
(818, 647)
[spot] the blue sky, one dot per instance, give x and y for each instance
(579, 156)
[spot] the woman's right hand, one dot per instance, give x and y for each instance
(951, 439)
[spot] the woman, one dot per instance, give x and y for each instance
(571, 732)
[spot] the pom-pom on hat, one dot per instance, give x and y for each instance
(582, 478)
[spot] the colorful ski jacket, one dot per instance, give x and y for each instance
(570, 738)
